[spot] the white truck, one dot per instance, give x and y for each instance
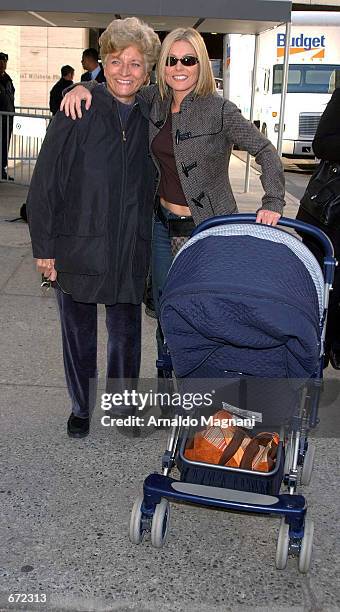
(313, 64)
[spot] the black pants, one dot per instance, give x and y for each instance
(6, 133)
(79, 338)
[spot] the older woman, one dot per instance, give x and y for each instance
(90, 209)
(192, 131)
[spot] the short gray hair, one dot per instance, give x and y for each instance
(123, 33)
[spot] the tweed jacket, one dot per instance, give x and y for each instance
(203, 133)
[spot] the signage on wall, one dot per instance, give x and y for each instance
(38, 76)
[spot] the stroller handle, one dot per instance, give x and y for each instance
(299, 226)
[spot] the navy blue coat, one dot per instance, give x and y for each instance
(91, 199)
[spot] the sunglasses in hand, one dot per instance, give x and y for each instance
(46, 283)
(187, 60)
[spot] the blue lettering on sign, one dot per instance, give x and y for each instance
(302, 41)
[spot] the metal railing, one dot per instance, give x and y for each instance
(22, 134)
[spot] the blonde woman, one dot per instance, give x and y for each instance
(90, 214)
(192, 131)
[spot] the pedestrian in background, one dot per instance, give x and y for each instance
(56, 93)
(326, 146)
(7, 92)
(91, 64)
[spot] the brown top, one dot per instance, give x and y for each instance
(162, 147)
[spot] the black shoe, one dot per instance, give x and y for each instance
(77, 427)
(334, 358)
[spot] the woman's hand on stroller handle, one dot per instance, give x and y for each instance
(269, 217)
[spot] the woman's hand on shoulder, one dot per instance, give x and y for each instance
(71, 103)
(269, 217)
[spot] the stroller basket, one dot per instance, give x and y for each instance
(197, 472)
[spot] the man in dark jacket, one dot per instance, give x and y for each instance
(90, 63)
(6, 104)
(90, 212)
(56, 93)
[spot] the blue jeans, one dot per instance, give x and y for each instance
(161, 262)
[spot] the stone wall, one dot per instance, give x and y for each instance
(36, 56)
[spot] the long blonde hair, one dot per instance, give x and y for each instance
(206, 83)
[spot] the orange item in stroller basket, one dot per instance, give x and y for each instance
(233, 446)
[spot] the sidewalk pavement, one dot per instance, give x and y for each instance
(65, 504)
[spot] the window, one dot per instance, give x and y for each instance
(303, 78)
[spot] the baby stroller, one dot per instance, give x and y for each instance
(245, 301)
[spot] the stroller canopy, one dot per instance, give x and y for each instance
(243, 299)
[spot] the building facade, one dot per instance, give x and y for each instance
(36, 56)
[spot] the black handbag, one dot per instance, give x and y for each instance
(322, 196)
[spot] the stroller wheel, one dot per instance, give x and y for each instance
(308, 462)
(160, 524)
(136, 530)
(306, 546)
(282, 545)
